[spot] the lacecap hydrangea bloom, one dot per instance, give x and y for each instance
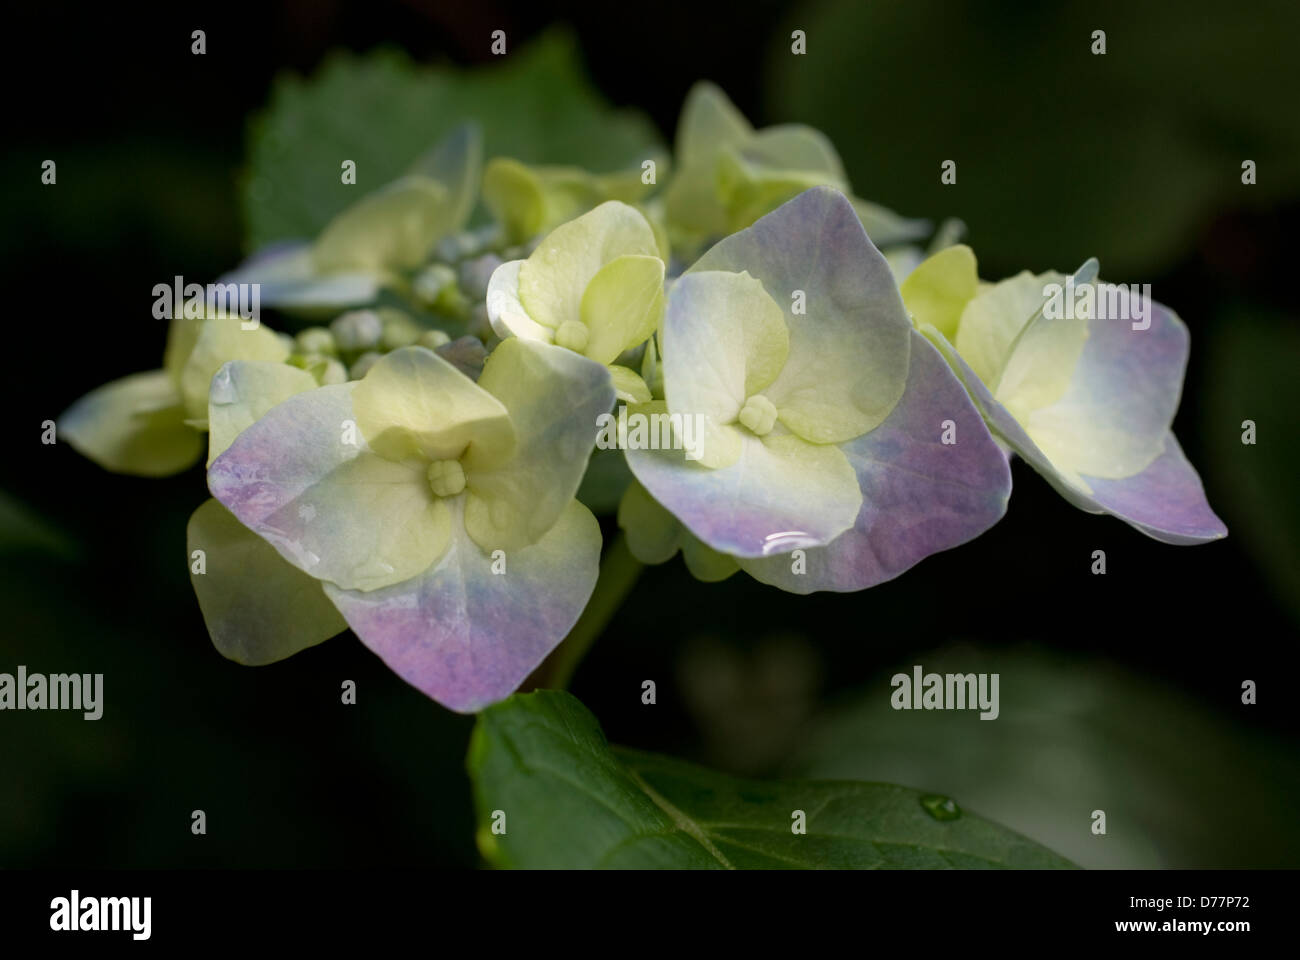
(813, 401)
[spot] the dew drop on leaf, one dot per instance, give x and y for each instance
(941, 808)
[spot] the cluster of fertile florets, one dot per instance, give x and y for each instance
(800, 392)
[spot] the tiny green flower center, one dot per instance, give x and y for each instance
(759, 414)
(446, 477)
(572, 335)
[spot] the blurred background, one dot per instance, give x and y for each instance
(1120, 693)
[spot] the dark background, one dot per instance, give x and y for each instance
(1119, 692)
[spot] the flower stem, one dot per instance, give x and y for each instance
(618, 574)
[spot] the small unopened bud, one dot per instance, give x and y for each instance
(434, 282)
(363, 363)
(357, 330)
(316, 340)
(399, 330)
(330, 372)
(326, 370)
(433, 339)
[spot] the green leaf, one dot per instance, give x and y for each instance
(383, 112)
(569, 800)
(1083, 733)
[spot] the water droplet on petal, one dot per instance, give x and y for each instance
(941, 808)
(222, 390)
(785, 541)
